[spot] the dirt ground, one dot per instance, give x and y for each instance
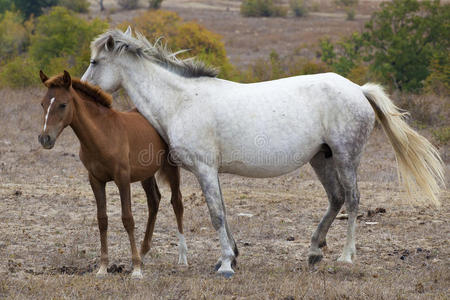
(49, 241)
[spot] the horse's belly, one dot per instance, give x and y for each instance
(265, 162)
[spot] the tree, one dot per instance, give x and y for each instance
(34, 7)
(403, 38)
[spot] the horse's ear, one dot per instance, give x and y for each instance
(110, 43)
(44, 77)
(66, 79)
(128, 32)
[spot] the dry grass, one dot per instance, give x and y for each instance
(50, 246)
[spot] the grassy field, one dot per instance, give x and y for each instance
(49, 245)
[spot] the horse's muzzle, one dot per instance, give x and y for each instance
(46, 141)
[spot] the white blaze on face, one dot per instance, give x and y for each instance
(48, 111)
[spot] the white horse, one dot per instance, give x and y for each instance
(263, 129)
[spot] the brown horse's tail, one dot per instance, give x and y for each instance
(419, 165)
(169, 173)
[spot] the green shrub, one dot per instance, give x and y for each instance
(298, 7)
(202, 43)
(62, 34)
(154, 4)
(20, 72)
(14, 35)
(33, 7)
(350, 14)
(81, 6)
(262, 8)
(128, 4)
(403, 37)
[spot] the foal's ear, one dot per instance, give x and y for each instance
(44, 77)
(66, 79)
(110, 43)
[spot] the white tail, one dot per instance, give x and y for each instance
(420, 168)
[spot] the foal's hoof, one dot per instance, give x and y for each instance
(226, 274)
(314, 259)
(101, 273)
(137, 275)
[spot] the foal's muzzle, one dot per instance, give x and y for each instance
(46, 141)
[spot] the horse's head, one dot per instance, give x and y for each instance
(107, 55)
(58, 108)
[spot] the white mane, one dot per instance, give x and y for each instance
(156, 52)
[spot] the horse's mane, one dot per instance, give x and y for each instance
(93, 92)
(156, 52)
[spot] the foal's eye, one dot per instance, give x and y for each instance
(62, 105)
(42, 104)
(93, 62)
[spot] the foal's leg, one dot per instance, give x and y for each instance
(123, 183)
(173, 175)
(209, 182)
(98, 188)
(153, 199)
(327, 174)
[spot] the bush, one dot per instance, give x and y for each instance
(350, 14)
(62, 34)
(298, 7)
(128, 4)
(201, 43)
(60, 41)
(34, 7)
(81, 6)
(262, 8)
(14, 35)
(154, 4)
(19, 73)
(403, 38)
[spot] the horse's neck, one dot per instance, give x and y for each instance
(156, 92)
(87, 124)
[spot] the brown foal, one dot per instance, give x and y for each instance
(114, 146)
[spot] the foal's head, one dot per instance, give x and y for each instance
(58, 108)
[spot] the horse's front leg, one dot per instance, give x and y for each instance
(98, 188)
(122, 181)
(209, 182)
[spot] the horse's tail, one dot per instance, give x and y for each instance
(168, 172)
(419, 165)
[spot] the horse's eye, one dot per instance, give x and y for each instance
(42, 104)
(63, 105)
(93, 62)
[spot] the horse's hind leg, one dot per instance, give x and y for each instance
(324, 167)
(153, 198)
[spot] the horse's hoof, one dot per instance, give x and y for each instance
(344, 259)
(314, 259)
(137, 275)
(217, 266)
(100, 275)
(322, 244)
(226, 274)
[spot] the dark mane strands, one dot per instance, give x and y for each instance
(157, 52)
(93, 92)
